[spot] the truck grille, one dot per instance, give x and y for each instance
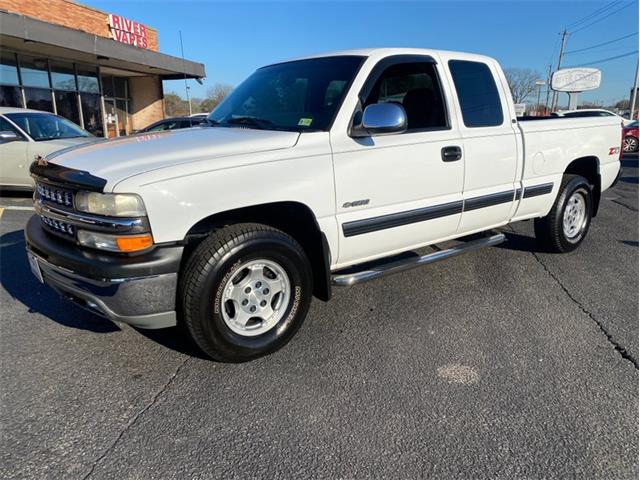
(55, 195)
(57, 226)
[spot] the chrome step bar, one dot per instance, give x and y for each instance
(348, 279)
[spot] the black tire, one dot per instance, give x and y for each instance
(208, 270)
(549, 230)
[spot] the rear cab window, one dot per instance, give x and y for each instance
(477, 93)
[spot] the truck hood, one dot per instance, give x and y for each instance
(117, 159)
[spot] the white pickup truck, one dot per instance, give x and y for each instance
(313, 172)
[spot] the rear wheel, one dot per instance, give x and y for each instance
(246, 291)
(630, 144)
(567, 224)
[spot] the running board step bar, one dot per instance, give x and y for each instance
(395, 266)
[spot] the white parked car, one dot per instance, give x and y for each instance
(25, 134)
(590, 112)
(312, 173)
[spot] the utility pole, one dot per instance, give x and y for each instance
(554, 102)
(184, 70)
(634, 94)
(539, 84)
(546, 102)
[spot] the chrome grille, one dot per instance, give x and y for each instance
(56, 195)
(57, 226)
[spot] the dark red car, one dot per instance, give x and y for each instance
(630, 137)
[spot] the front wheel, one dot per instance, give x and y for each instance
(245, 291)
(567, 224)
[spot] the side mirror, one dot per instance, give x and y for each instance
(7, 136)
(380, 119)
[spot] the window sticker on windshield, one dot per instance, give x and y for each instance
(305, 122)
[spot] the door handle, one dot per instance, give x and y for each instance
(451, 154)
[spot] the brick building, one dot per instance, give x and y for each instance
(100, 70)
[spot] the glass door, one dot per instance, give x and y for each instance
(110, 117)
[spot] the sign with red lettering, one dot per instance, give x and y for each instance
(127, 31)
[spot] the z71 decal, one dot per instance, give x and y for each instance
(614, 150)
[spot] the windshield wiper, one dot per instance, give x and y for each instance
(210, 122)
(260, 123)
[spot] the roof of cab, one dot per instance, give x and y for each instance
(385, 52)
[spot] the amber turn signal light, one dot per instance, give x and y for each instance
(133, 243)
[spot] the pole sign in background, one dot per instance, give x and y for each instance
(576, 79)
(127, 31)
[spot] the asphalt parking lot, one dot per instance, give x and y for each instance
(505, 363)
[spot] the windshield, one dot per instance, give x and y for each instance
(633, 124)
(45, 126)
(297, 96)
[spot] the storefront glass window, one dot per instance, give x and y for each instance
(67, 105)
(92, 113)
(34, 71)
(39, 99)
(123, 120)
(107, 85)
(63, 76)
(10, 96)
(120, 84)
(8, 69)
(88, 80)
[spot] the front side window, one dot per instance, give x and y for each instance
(42, 126)
(416, 87)
(5, 126)
(297, 96)
(477, 93)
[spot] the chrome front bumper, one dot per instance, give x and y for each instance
(143, 302)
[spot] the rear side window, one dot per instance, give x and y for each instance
(477, 93)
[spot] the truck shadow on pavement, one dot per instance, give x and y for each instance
(16, 278)
(520, 243)
(18, 281)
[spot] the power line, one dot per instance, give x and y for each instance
(603, 60)
(602, 18)
(601, 44)
(593, 14)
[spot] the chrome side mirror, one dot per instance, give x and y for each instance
(7, 136)
(380, 119)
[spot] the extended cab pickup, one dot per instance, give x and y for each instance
(312, 173)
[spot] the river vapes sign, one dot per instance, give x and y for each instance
(127, 31)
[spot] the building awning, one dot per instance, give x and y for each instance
(27, 34)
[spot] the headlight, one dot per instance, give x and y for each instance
(115, 243)
(110, 204)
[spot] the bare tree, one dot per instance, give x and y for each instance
(522, 82)
(215, 95)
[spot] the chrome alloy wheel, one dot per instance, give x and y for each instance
(255, 298)
(630, 144)
(575, 216)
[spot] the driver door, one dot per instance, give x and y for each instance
(395, 192)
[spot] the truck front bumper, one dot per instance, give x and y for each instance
(136, 290)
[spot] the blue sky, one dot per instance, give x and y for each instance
(234, 38)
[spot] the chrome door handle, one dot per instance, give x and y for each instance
(451, 154)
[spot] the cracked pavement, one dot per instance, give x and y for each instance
(504, 363)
